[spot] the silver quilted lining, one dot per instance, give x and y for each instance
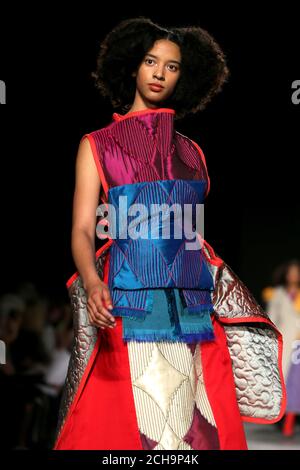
(254, 355)
(85, 338)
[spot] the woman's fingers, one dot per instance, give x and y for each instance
(106, 297)
(91, 312)
(97, 301)
(94, 320)
(102, 311)
(97, 317)
(100, 314)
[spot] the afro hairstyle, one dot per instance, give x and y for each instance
(203, 64)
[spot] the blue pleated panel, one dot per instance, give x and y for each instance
(161, 288)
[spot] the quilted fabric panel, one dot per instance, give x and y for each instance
(173, 411)
(254, 355)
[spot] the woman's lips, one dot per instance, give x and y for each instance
(155, 87)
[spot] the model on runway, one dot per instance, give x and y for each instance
(185, 354)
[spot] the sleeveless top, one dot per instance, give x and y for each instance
(160, 285)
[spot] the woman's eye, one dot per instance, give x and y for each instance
(173, 69)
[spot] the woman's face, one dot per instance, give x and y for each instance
(293, 275)
(161, 65)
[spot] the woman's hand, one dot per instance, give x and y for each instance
(98, 298)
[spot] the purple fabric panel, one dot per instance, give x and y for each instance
(202, 435)
(293, 389)
(146, 148)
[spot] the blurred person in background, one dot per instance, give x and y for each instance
(283, 307)
(37, 333)
(12, 308)
(22, 322)
(55, 375)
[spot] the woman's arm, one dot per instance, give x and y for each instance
(85, 203)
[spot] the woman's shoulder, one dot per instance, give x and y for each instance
(270, 293)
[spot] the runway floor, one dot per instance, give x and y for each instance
(269, 437)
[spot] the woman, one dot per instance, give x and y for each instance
(162, 357)
(283, 307)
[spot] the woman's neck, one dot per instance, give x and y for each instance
(141, 108)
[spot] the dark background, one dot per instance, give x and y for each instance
(249, 134)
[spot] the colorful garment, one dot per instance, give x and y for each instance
(156, 393)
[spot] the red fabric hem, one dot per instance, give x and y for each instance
(220, 388)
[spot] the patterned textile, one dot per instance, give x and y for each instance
(159, 249)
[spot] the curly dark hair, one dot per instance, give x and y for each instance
(203, 69)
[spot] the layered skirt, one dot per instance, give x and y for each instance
(168, 395)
